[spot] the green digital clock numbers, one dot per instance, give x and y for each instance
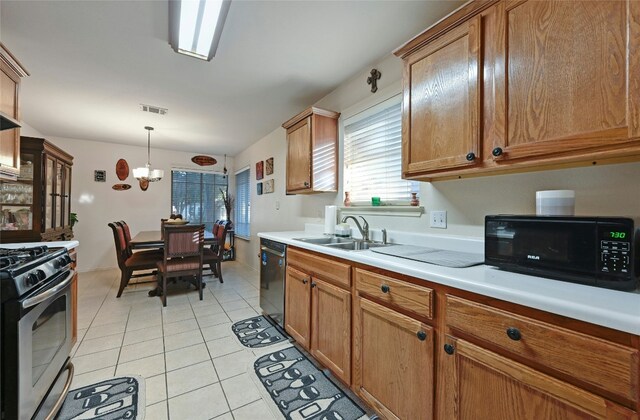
(618, 235)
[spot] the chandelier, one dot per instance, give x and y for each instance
(146, 173)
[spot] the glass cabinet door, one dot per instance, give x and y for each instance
(49, 198)
(57, 196)
(67, 195)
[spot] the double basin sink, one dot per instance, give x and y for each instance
(348, 244)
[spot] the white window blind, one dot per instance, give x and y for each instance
(373, 161)
(243, 204)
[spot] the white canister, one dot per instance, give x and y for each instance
(555, 203)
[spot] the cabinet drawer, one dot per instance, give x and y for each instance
(605, 365)
(324, 268)
(404, 295)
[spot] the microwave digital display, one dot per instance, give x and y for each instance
(617, 235)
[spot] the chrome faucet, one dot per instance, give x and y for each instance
(364, 229)
(384, 236)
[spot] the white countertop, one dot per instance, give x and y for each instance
(608, 308)
(54, 244)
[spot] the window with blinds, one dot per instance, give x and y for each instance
(197, 197)
(372, 155)
(243, 204)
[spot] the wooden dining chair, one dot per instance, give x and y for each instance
(215, 255)
(128, 263)
(183, 252)
(127, 237)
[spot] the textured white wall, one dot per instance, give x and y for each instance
(97, 204)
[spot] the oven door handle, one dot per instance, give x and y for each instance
(28, 303)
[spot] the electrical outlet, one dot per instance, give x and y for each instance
(438, 219)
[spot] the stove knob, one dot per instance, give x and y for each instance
(31, 279)
(61, 262)
(41, 274)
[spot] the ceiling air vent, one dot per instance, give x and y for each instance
(153, 109)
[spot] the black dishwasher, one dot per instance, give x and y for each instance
(273, 265)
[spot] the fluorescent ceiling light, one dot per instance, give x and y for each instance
(195, 26)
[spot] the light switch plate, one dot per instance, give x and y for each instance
(438, 219)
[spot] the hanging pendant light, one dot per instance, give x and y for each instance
(146, 173)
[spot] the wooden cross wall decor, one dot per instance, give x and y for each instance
(373, 80)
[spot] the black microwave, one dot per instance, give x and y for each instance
(599, 251)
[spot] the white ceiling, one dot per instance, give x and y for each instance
(93, 62)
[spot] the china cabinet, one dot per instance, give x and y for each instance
(37, 206)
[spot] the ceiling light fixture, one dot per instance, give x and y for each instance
(146, 173)
(195, 26)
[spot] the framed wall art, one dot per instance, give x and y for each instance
(259, 188)
(268, 167)
(268, 186)
(259, 170)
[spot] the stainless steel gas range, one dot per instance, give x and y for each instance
(35, 299)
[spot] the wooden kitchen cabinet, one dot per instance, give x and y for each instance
(331, 327)
(560, 83)
(11, 72)
(312, 152)
(318, 309)
(441, 115)
(393, 367)
(297, 306)
(484, 385)
(37, 206)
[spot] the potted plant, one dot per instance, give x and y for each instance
(228, 200)
(73, 217)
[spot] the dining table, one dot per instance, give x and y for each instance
(152, 239)
(149, 239)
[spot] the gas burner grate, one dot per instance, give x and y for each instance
(24, 253)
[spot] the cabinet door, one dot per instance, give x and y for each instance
(58, 199)
(441, 109)
(66, 196)
(297, 306)
(9, 139)
(331, 327)
(50, 199)
(483, 385)
(567, 77)
(393, 363)
(299, 156)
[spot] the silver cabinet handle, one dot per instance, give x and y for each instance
(28, 303)
(271, 251)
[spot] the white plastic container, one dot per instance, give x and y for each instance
(555, 203)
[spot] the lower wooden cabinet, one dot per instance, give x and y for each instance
(318, 317)
(331, 328)
(481, 384)
(297, 306)
(393, 361)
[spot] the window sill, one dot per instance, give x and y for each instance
(244, 238)
(403, 211)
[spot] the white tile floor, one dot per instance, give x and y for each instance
(194, 367)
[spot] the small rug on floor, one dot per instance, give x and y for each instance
(111, 399)
(257, 332)
(301, 391)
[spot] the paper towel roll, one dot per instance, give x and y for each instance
(330, 217)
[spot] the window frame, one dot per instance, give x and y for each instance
(201, 183)
(363, 113)
(236, 220)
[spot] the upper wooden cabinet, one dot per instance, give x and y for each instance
(11, 71)
(560, 84)
(312, 151)
(441, 127)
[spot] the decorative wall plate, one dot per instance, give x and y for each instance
(203, 160)
(122, 169)
(121, 187)
(144, 184)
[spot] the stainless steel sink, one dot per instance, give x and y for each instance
(327, 241)
(357, 245)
